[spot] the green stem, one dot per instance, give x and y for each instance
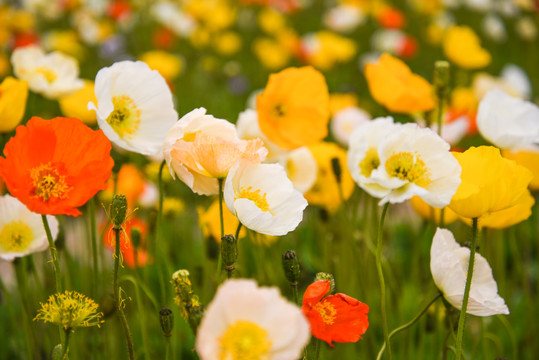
(54, 254)
(29, 336)
(316, 349)
(93, 239)
(441, 101)
(65, 346)
(219, 260)
(462, 318)
(161, 197)
(117, 302)
(408, 324)
(295, 292)
(381, 280)
(238, 229)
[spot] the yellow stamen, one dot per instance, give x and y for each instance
(278, 111)
(125, 118)
(410, 167)
(244, 340)
(15, 236)
(48, 183)
(327, 311)
(256, 197)
(49, 75)
(370, 162)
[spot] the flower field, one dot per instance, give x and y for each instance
(269, 179)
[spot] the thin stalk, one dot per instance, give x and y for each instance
(161, 197)
(29, 336)
(65, 346)
(316, 349)
(381, 280)
(462, 318)
(441, 101)
(54, 254)
(93, 239)
(117, 300)
(408, 324)
(238, 229)
(219, 260)
(295, 292)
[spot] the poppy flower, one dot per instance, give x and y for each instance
(13, 95)
(293, 109)
(338, 317)
(462, 47)
(127, 248)
(54, 166)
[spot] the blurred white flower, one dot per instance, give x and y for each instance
(52, 75)
(173, 17)
(263, 198)
(301, 168)
(513, 80)
(526, 28)
(345, 121)
(508, 122)
(449, 267)
(344, 18)
(134, 106)
(22, 231)
(245, 321)
(494, 28)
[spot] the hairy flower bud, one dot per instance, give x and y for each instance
(441, 78)
(326, 276)
(291, 266)
(166, 319)
(229, 251)
(118, 210)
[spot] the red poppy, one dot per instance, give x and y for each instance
(126, 246)
(338, 317)
(54, 166)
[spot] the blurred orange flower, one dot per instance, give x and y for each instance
(338, 317)
(54, 166)
(293, 110)
(130, 182)
(392, 84)
(129, 251)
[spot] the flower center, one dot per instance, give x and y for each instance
(327, 312)
(15, 236)
(410, 167)
(48, 74)
(370, 162)
(256, 197)
(278, 111)
(125, 118)
(244, 340)
(48, 183)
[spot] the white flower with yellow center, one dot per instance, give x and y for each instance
(416, 161)
(22, 231)
(134, 106)
(247, 322)
(52, 75)
(449, 266)
(263, 198)
(363, 155)
(345, 121)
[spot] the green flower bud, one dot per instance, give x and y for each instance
(195, 317)
(441, 78)
(326, 276)
(135, 237)
(291, 266)
(229, 251)
(107, 305)
(56, 352)
(118, 210)
(166, 319)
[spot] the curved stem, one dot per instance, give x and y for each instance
(238, 229)
(219, 260)
(161, 197)
(381, 279)
(54, 254)
(408, 324)
(462, 318)
(65, 346)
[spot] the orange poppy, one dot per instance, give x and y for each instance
(128, 250)
(338, 317)
(293, 109)
(393, 85)
(54, 166)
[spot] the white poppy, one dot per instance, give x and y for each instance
(263, 198)
(250, 322)
(416, 161)
(301, 168)
(508, 122)
(52, 75)
(22, 231)
(345, 121)
(449, 268)
(134, 106)
(344, 18)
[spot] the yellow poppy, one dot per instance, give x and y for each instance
(393, 85)
(293, 109)
(76, 104)
(13, 95)
(489, 183)
(461, 46)
(528, 158)
(168, 65)
(428, 212)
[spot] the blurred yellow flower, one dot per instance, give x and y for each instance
(293, 109)
(340, 101)
(392, 84)
(75, 105)
(173, 206)
(528, 158)
(489, 183)
(227, 43)
(461, 46)
(326, 49)
(428, 212)
(271, 21)
(271, 53)
(13, 95)
(168, 65)
(65, 41)
(325, 191)
(210, 223)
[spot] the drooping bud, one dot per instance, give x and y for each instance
(107, 305)
(337, 169)
(229, 251)
(291, 267)
(326, 276)
(118, 210)
(166, 319)
(441, 78)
